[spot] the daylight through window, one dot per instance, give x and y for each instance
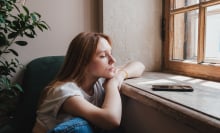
(192, 36)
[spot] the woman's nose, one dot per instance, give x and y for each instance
(111, 59)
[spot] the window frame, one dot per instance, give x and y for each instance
(200, 70)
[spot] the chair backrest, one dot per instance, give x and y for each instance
(39, 72)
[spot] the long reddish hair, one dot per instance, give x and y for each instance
(79, 54)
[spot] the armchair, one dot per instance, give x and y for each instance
(38, 73)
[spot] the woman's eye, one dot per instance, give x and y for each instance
(103, 56)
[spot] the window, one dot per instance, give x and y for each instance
(192, 38)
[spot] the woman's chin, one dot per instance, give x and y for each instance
(109, 76)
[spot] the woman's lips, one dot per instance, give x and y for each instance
(112, 69)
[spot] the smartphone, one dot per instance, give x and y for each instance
(184, 88)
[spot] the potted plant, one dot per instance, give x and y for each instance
(16, 22)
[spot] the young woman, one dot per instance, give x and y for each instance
(85, 94)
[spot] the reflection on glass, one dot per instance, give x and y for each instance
(185, 36)
(212, 35)
(184, 3)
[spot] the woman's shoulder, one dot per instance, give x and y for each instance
(68, 88)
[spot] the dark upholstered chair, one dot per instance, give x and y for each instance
(37, 75)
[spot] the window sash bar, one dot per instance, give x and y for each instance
(193, 7)
(210, 3)
(201, 36)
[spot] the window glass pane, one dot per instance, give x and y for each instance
(185, 36)
(212, 38)
(184, 3)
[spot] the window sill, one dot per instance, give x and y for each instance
(198, 109)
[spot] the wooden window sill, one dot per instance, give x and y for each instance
(199, 109)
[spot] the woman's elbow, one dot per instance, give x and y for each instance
(140, 68)
(114, 123)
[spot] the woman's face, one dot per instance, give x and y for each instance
(102, 63)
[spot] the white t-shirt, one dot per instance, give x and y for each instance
(48, 114)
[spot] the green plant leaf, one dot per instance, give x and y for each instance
(3, 40)
(21, 43)
(38, 15)
(16, 7)
(15, 23)
(18, 87)
(22, 23)
(21, 16)
(33, 32)
(12, 69)
(14, 64)
(26, 10)
(44, 26)
(17, 60)
(39, 27)
(13, 35)
(33, 16)
(48, 27)
(13, 52)
(15, 17)
(29, 35)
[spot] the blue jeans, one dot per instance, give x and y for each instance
(79, 125)
(75, 125)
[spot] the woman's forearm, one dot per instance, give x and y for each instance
(112, 103)
(133, 69)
